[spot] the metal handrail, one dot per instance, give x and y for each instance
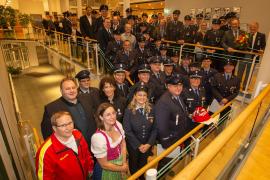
(174, 146)
(193, 169)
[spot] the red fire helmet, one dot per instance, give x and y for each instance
(200, 114)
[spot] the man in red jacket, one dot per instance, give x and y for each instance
(65, 154)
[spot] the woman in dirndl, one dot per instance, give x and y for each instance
(108, 145)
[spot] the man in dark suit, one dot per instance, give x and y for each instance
(207, 73)
(80, 107)
(114, 46)
(126, 56)
(225, 86)
(157, 77)
(229, 40)
(67, 25)
(116, 24)
(171, 114)
(119, 75)
(103, 9)
(174, 28)
(256, 43)
(87, 24)
(104, 34)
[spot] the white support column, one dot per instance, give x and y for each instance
(79, 8)
(126, 4)
(263, 74)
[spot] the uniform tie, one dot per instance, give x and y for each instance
(141, 110)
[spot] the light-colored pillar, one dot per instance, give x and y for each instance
(64, 5)
(263, 74)
(79, 8)
(126, 4)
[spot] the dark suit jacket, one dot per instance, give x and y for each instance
(173, 31)
(138, 129)
(67, 26)
(228, 40)
(103, 38)
(259, 43)
(124, 92)
(171, 118)
(129, 60)
(62, 105)
(159, 84)
(87, 29)
(222, 88)
(112, 49)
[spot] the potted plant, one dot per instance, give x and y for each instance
(7, 20)
(24, 20)
(14, 71)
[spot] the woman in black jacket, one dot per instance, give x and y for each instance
(108, 93)
(140, 129)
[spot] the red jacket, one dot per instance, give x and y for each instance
(56, 161)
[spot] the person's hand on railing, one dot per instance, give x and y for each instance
(144, 147)
(230, 49)
(180, 41)
(211, 50)
(224, 101)
(87, 38)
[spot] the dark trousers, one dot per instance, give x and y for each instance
(137, 160)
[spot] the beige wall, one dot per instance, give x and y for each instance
(250, 9)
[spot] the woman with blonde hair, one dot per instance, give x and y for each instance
(140, 129)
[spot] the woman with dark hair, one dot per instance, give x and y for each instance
(140, 129)
(108, 93)
(108, 145)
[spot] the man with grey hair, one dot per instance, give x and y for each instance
(128, 36)
(256, 43)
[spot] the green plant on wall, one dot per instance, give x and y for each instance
(7, 17)
(24, 19)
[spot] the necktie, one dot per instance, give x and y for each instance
(196, 91)
(228, 77)
(158, 76)
(141, 110)
(122, 89)
(206, 72)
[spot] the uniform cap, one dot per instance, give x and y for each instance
(141, 87)
(168, 62)
(207, 56)
(144, 68)
(103, 7)
(154, 16)
(141, 39)
(200, 114)
(131, 17)
(195, 74)
(229, 62)
(116, 13)
(163, 47)
(222, 18)
(154, 59)
(187, 17)
(83, 74)
(187, 56)
(144, 14)
(174, 80)
(199, 16)
(216, 21)
(119, 68)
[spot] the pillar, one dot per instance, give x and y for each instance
(126, 4)
(263, 74)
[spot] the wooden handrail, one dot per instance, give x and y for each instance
(203, 159)
(172, 147)
(212, 47)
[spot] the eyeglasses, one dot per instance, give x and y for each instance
(64, 125)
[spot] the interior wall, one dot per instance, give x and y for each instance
(31, 6)
(250, 9)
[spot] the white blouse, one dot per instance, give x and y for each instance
(99, 144)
